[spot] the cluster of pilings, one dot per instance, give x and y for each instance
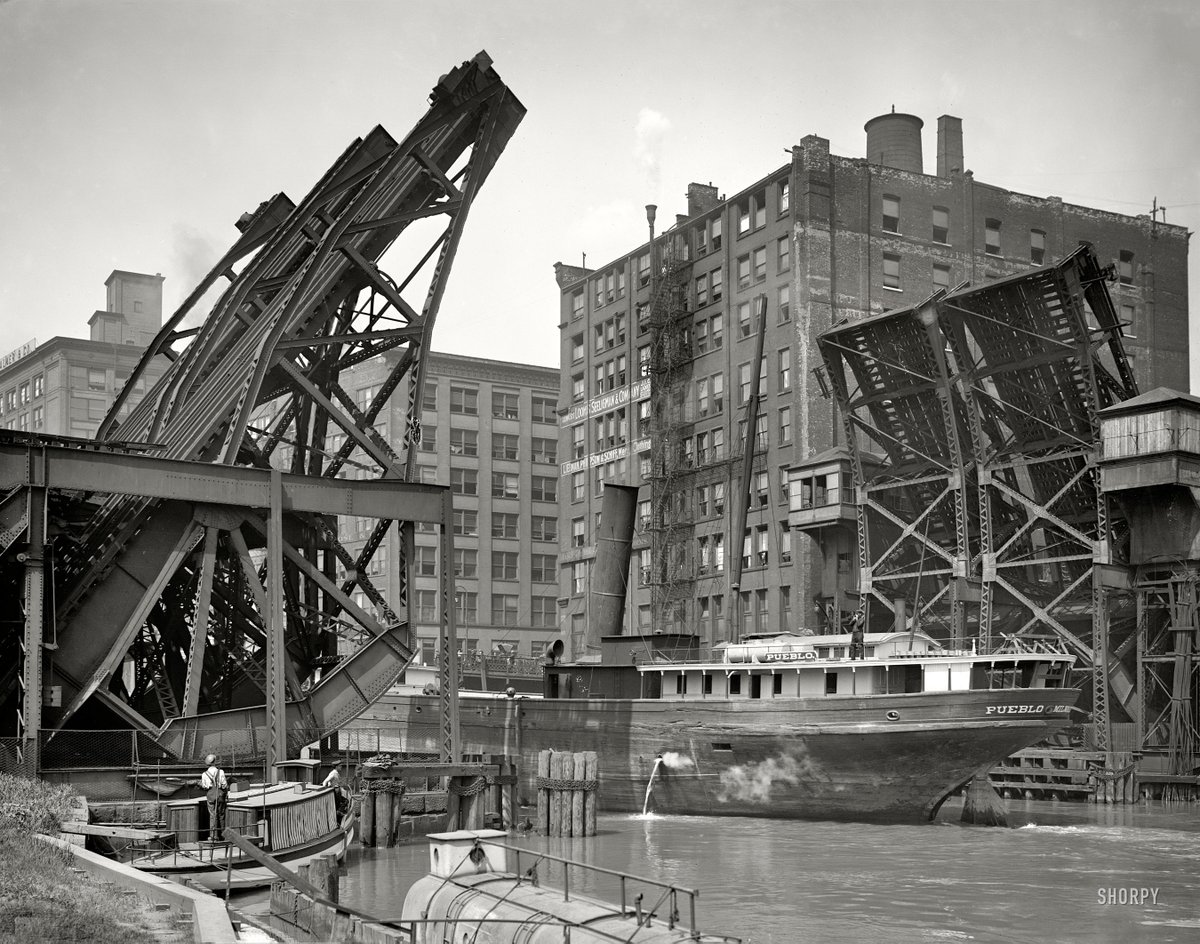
(567, 788)
(1117, 781)
(380, 811)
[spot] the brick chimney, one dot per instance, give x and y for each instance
(950, 146)
(701, 198)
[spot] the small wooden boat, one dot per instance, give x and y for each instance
(294, 822)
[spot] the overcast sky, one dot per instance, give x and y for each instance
(133, 133)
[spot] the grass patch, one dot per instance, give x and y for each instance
(41, 899)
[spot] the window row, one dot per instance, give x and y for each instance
(506, 609)
(29, 390)
(505, 525)
(504, 484)
(543, 568)
(890, 222)
(464, 401)
(30, 420)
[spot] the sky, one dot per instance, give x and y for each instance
(134, 133)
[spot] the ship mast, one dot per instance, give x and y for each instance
(740, 509)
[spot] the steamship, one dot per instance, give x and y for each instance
(780, 725)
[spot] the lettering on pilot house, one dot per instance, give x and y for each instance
(1116, 895)
(1028, 709)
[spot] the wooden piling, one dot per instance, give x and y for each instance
(556, 766)
(592, 775)
(367, 814)
(397, 796)
(453, 805)
(579, 775)
(543, 794)
(508, 795)
(385, 831)
(333, 879)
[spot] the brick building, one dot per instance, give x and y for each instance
(65, 386)
(824, 238)
(488, 430)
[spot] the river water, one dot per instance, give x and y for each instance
(1062, 872)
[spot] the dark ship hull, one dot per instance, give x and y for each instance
(877, 757)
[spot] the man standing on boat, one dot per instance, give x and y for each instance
(216, 790)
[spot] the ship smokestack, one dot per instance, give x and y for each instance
(614, 538)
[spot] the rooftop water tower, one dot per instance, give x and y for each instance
(894, 140)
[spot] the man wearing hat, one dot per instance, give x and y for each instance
(216, 789)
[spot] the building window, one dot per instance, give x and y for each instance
(425, 561)
(505, 405)
(641, 314)
(578, 532)
(38, 386)
(1128, 321)
(1037, 246)
(24, 393)
(743, 271)
(428, 439)
(466, 522)
(544, 528)
(1125, 268)
(941, 225)
(991, 237)
(891, 214)
(716, 332)
(544, 488)
(743, 217)
(785, 425)
(543, 567)
(784, 303)
(941, 275)
(716, 285)
(429, 396)
(760, 209)
(644, 360)
(891, 271)
(504, 609)
(577, 304)
(643, 268)
(785, 369)
(579, 577)
(784, 253)
(716, 234)
(464, 481)
(545, 409)
(544, 449)
(466, 607)
(505, 485)
(504, 565)
(427, 606)
(577, 348)
(95, 379)
(578, 486)
(464, 400)
(743, 384)
(543, 613)
(785, 201)
(504, 524)
(505, 445)
(39, 417)
(701, 291)
(464, 442)
(760, 263)
(745, 328)
(785, 542)
(466, 562)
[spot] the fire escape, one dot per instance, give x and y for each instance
(671, 469)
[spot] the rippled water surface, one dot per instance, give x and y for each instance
(770, 881)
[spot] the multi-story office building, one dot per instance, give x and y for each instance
(489, 431)
(823, 238)
(65, 386)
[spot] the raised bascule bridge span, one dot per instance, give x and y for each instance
(973, 429)
(183, 574)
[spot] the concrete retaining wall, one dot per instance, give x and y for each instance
(210, 921)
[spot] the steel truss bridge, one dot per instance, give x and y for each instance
(184, 574)
(986, 517)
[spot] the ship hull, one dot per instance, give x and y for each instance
(878, 758)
